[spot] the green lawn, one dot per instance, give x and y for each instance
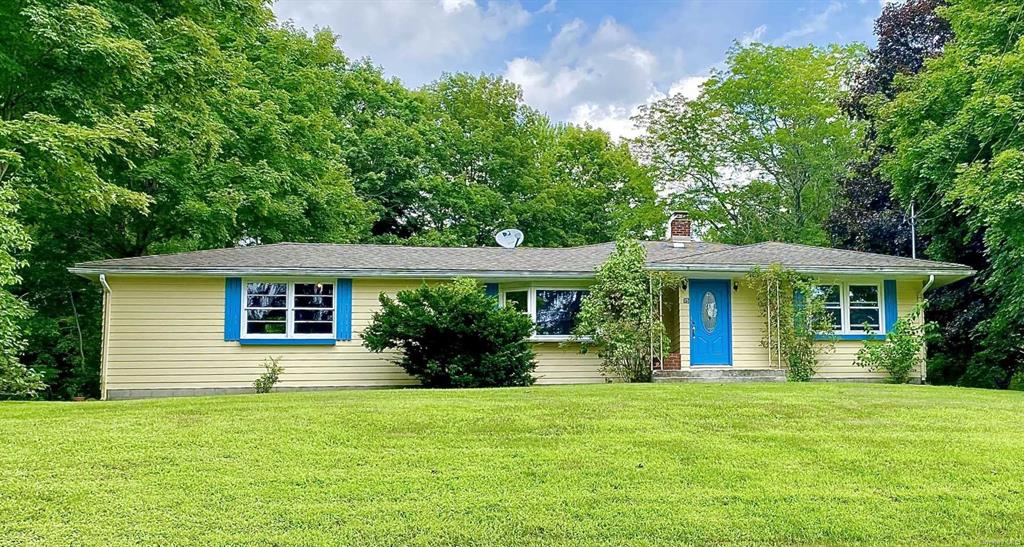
(740, 463)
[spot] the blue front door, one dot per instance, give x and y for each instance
(710, 322)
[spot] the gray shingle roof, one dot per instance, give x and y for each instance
(394, 260)
(798, 256)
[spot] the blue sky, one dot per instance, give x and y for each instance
(585, 62)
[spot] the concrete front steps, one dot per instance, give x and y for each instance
(719, 375)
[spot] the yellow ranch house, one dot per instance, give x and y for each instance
(204, 322)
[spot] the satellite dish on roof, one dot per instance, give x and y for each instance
(509, 239)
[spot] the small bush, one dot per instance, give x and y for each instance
(18, 381)
(268, 379)
(453, 335)
(901, 352)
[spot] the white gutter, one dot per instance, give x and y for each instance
(485, 274)
(105, 337)
(810, 270)
(355, 273)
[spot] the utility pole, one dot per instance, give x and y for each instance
(913, 232)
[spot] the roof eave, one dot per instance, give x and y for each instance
(943, 277)
(92, 272)
(818, 270)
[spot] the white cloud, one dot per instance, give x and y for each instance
(754, 35)
(418, 40)
(615, 119)
(596, 77)
(450, 6)
(549, 7)
(688, 86)
(817, 24)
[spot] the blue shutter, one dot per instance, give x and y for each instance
(491, 289)
(343, 309)
(232, 308)
(798, 308)
(891, 313)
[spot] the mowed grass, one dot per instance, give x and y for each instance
(746, 463)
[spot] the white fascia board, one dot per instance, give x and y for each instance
(244, 272)
(944, 277)
(816, 270)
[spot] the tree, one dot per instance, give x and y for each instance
(869, 218)
(594, 191)
(65, 130)
(617, 318)
(958, 151)
(131, 128)
(908, 34)
(144, 128)
(464, 156)
(388, 149)
(759, 150)
(16, 380)
(453, 335)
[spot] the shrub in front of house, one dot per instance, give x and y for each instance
(901, 352)
(618, 317)
(266, 381)
(454, 335)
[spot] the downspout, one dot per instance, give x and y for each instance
(105, 338)
(928, 285)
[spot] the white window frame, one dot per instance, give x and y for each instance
(845, 307)
(289, 313)
(531, 309)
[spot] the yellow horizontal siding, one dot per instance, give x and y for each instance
(840, 363)
(557, 364)
(748, 329)
(684, 326)
(168, 333)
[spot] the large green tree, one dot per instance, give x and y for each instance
(129, 128)
(154, 127)
(594, 191)
(756, 155)
(455, 161)
(66, 130)
(957, 144)
(868, 217)
(16, 380)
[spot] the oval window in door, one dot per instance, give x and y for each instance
(709, 311)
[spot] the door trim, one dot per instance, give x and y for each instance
(690, 319)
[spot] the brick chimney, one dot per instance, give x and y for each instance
(679, 229)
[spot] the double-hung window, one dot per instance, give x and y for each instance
(855, 307)
(520, 300)
(556, 311)
(553, 310)
(281, 309)
(833, 298)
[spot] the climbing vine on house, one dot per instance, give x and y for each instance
(797, 328)
(621, 317)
